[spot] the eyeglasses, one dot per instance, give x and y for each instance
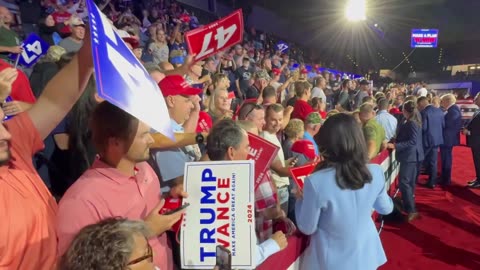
(255, 107)
(148, 256)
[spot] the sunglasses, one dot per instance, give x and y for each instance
(148, 256)
(255, 107)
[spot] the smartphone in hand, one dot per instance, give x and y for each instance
(177, 209)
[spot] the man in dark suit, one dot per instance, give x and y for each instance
(451, 135)
(433, 123)
(472, 131)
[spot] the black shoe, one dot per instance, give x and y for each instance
(475, 185)
(471, 182)
(428, 185)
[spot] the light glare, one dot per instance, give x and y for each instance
(356, 10)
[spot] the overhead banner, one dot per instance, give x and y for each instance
(424, 38)
(217, 36)
(33, 49)
(263, 153)
(121, 78)
(300, 173)
(221, 212)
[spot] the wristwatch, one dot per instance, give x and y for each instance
(200, 138)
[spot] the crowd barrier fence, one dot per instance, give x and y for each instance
(289, 258)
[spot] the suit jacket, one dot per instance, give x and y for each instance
(409, 147)
(327, 213)
(474, 127)
(453, 125)
(433, 122)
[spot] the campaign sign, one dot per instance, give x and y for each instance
(263, 153)
(282, 46)
(221, 212)
(424, 38)
(299, 173)
(121, 78)
(217, 36)
(33, 48)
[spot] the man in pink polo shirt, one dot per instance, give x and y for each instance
(120, 183)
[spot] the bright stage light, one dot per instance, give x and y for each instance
(356, 10)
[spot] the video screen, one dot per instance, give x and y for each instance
(424, 38)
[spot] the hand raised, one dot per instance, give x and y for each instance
(7, 78)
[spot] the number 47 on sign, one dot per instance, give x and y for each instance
(215, 37)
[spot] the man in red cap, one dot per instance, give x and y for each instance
(304, 151)
(183, 107)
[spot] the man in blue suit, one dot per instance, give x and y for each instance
(451, 135)
(433, 122)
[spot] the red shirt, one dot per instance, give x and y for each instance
(21, 90)
(61, 17)
(395, 110)
(204, 122)
(29, 211)
(323, 114)
(301, 110)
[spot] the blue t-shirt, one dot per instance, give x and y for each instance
(309, 137)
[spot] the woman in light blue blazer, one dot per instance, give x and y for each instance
(336, 204)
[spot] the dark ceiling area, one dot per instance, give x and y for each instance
(332, 38)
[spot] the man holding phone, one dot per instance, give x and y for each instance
(119, 183)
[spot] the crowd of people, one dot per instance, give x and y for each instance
(92, 198)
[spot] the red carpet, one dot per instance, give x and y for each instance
(447, 236)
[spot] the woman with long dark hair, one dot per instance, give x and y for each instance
(335, 206)
(74, 152)
(409, 152)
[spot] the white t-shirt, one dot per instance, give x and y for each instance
(318, 92)
(277, 179)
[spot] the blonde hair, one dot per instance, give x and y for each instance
(212, 108)
(450, 98)
(294, 128)
(217, 78)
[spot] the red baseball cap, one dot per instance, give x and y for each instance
(304, 147)
(276, 71)
(304, 71)
(174, 85)
(132, 41)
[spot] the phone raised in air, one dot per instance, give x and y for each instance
(177, 209)
(224, 258)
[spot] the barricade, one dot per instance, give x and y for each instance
(289, 258)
